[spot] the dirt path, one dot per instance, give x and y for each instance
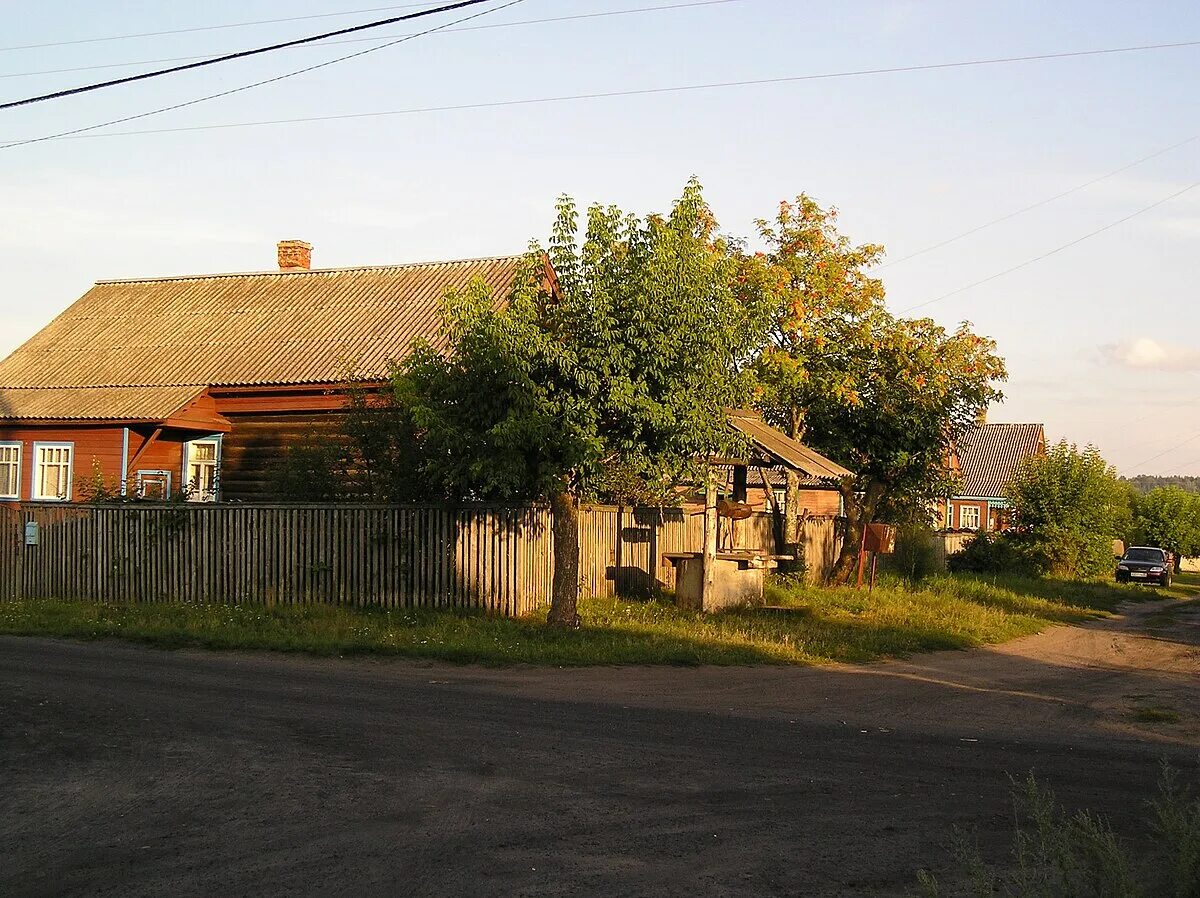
(129, 771)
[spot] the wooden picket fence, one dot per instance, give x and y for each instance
(492, 558)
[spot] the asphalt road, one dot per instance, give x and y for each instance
(129, 771)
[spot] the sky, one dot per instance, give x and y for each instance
(1100, 335)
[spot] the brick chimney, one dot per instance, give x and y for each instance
(295, 255)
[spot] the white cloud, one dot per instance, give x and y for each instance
(1148, 354)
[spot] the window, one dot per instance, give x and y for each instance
(968, 517)
(52, 471)
(154, 485)
(202, 469)
(10, 470)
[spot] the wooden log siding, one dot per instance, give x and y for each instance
(490, 558)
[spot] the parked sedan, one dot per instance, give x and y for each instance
(1144, 564)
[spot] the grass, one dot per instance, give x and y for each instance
(1156, 714)
(803, 625)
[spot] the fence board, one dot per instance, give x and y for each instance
(496, 559)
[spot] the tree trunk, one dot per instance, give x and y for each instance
(859, 513)
(564, 589)
(791, 503)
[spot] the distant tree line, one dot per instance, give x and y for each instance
(1144, 483)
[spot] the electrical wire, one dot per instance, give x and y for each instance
(1040, 203)
(240, 54)
(225, 93)
(1179, 445)
(122, 37)
(357, 40)
(599, 95)
(1055, 251)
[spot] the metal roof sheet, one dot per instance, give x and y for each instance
(784, 449)
(95, 403)
(289, 327)
(989, 456)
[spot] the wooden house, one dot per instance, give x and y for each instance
(985, 460)
(160, 386)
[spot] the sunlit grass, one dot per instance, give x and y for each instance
(803, 625)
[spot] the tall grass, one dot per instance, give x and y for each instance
(1058, 854)
(802, 625)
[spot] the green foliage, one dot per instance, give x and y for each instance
(886, 397)
(1059, 854)
(999, 553)
(914, 557)
(311, 470)
(612, 388)
(1168, 517)
(1071, 506)
(96, 489)
(369, 454)
(1144, 483)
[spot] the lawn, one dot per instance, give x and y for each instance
(803, 625)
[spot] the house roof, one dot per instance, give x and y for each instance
(95, 403)
(269, 328)
(989, 455)
(783, 449)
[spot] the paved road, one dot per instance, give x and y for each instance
(128, 771)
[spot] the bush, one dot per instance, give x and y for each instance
(914, 558)
(999, 553)
(1048, 551)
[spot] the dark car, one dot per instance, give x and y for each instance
(1144, 564)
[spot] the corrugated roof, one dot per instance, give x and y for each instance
(775, 476)
(784, 449)
(95, 403)
(292, 327)
(989, 455)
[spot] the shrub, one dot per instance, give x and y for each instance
(999, 553)
(914, 558)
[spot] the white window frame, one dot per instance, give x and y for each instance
(962, 510)
(215, 495)
(35, 492)
(139, 489)
(20, 454)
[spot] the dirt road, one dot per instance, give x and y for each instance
(129, 771)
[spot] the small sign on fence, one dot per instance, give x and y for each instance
(31, 533)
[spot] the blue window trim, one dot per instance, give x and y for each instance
(20, 447)
(33, 480)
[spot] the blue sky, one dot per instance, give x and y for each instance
(1101, 338)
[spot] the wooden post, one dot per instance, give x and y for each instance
(862, 555)
(710, 541)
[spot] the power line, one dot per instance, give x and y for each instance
(356, 40)
(1179, 445)
(240, 54)
(122, 37)
(1056, 250)
(1040, 203)
(225, 93)
(599, 95)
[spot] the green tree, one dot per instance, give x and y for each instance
(610, 385)
(1169, 517)
(884, 396)
(1071, 506)
(917, 389)
(822, 304)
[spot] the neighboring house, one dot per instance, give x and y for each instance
(986, 460)
(201, 382)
